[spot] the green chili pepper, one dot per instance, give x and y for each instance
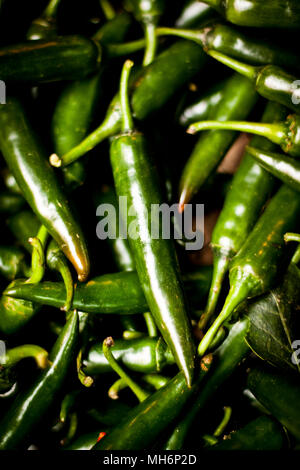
(30, 406)
(11, 203)
(153, 88)
(114, 30)
(227, 357)
(57, 262)
(279, 393)
(43, 60)
(119, 293)
(45, 25)
(263, 433)
(254, 270)
(270, 81)
(239, 98)
(23, 226)
(39, 186)
(193, 14)
(12, 263)
(84, 442)
(143, 424)
(144, 355)
(234, 43)
(136, 180)
(249, 192)
(270, 14)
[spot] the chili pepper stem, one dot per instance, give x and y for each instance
(236, 295)
(128, 335)
(192, 35)
(124, 98)
(108, 9)
(40, 355)
(51, 9)
(151, 44)
(117, 50)
(65, 273)
(108, 343)
(226, 418)
(116, 387)
(156, 380)
(151, 326)
(86, 380)
(294, 237)
(248, 71)
(37, 261)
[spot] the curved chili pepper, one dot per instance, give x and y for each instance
(136, 180)
(144, 355)
(271, 14)
(45, 25)
(239, 97)
(285, 168)
(193, 14)
(144, 423)
(30, 406)
(12, 263)
(283, 401)
(153, 88)
(270, 81)
(119, 293)
(250, 190)
(254, 270)
(39, 186)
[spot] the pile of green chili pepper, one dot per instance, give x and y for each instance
(115, 333)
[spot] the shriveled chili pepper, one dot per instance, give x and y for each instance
(270, 14)
(250, 190)
(153, 88)
(39, 185)
(285, 168)
(239, 97)
(283, 400)
(254, 270)
(135, 179)
(193, 14)
(143, 424)
(30, 406)
(270, 81)
(13, 263)
(140, 355)
(234, 43)
(286, 134)
(119, 293)
(45, 25)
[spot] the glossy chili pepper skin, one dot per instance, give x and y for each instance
(238, 99)
(30, 406)
(141, 427)
(279, 165)
(283, 402)
(144, 355)
(62, 58)
(12, 262)
(39, 185)
(250, 190)
(271, 14)
(119, 293)
(193, 14)
(263, 433)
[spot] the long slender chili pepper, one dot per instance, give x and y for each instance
(285, 168)
(12, 263)
(227, 357)
(136, 180)
(119, 293)
(57, 262)
(143, 424)
(153, 88)
(45, 25)
(254, 269)
(234, 43)
(238, 99)
(30, 406)
(193, 14)
(144, 355)
(250, 190)
(270, 81)
(286, 134)
(39, 185)
(270, 14)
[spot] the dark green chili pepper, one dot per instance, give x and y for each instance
(45, 25)
(226, 359)
(285, 168)
(194, 13)
(84, 442)
(153, 88)
(39, 185)
(279, 393)
(234, 43)
(286, 134)
(141, 427)
(114, 30)
(144, 355)
(30, 406)
(239, 98)
(57, 262)
(11, 203)
(43, 60)
(254, 270)
(135, 179)
(270, 81)
(15, 313)
(270, 14)
(119, 293)
(263, 433)
(12, 263)
(148, 13)
(250, 190)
